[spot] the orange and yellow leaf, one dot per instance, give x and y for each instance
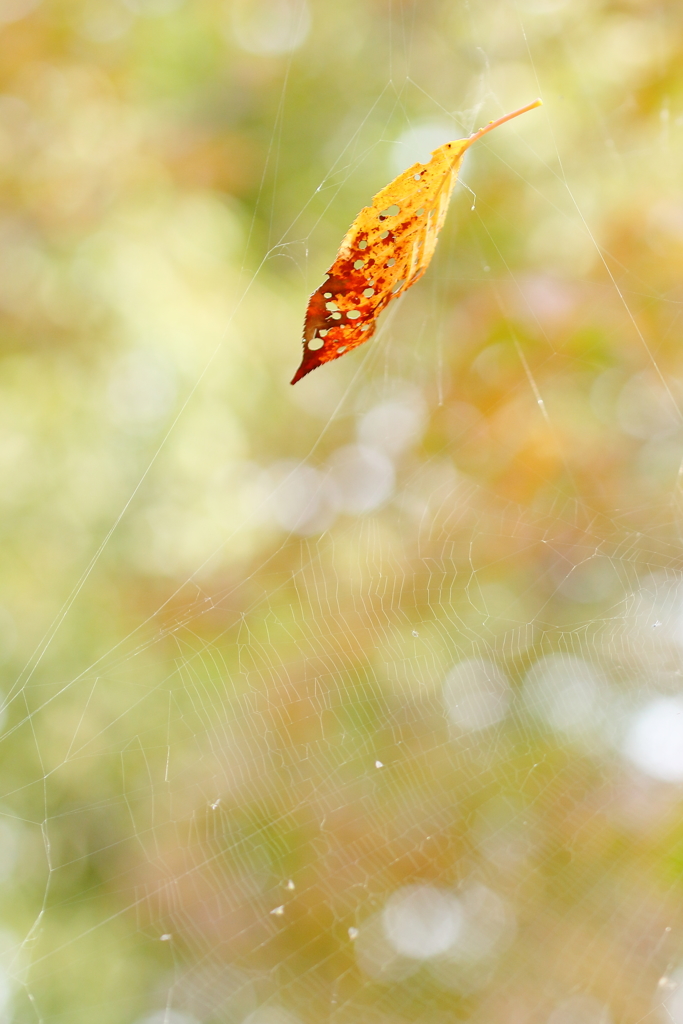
(387, 248)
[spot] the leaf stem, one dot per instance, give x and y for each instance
(501, 120)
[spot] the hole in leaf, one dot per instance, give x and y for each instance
(391, 211)
(328, 295)
(353, 314)
(385, 234)
(365, 327)
(336, 316)
(368, 292)
(416, 177)
(322, 333)
(418, 213)
(391, 262)
(315, 343)
(363, 244)
(358, 264)
(330, 305)
(342, 348)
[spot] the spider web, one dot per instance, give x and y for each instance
(359, 701)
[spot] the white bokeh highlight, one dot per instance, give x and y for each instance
(421, 921)
(476, 694)
(654, 739)
(299, 498)
(363, 478)
(458, 935)
(394, 425)
(566, 693)
(488, 926)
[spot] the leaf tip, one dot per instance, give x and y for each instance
(302, 371)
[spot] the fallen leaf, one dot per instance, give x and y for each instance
(387, 248)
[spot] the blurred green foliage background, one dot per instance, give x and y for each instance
(358, 701)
